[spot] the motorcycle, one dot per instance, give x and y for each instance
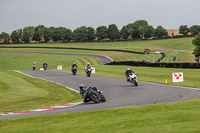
(92, 94)
(74, 70)
(133, 79)
(88, 71)
(45, 66)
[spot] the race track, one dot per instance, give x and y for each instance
(118, 92)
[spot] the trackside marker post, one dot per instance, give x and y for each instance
(93, 69)
(165, 81)
(59, 67)
(177, 77)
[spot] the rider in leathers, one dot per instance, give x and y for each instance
(74, 65)
(128, 72)
(83, 89)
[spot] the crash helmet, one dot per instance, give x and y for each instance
(74, 63)
(128, 69)
(34, 62)
(81, 86)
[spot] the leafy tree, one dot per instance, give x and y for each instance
(80, 34)
(140, 29)
(113, 32)
(160, 32)
(124, 33)
(20, 33)
(68, 35)
(183, 29)
(15, 37)
(195, 29)
(50, 32)
(28, 34)
(5, 37)
(58, 34)
(149, 32)
(47, 35)
(141, 25)
(196, 42)
(102, 32)
(133, 31)
(90, 33)
(39, 33)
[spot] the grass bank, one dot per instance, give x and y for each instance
(180, 44)
(181, 117)
(169, 46)
(19, 92)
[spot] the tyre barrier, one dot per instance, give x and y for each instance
(165, 65)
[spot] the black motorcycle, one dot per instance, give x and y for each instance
(74, 70)
(88, 71)
(92, 94)
(45, 66)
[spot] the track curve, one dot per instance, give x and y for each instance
(118, 92)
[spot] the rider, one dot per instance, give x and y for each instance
(74, 65)
(88, 66)
(45, 66)
(83, 89)
(128, 72)
(34, 65)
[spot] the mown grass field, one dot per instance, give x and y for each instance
(180, 44)
(117, 56)
(22, 93)
(180, 117)
(168, 46)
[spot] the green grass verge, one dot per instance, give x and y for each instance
(117, 56)
(173, 117)
(23, 61)
(181, 44)
(166, 45)
(19, 92)
(181, 117)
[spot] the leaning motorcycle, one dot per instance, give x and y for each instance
(88, 71)
(92, 94)
(74, 70)
(133, 79)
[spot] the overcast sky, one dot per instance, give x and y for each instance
(15, 14)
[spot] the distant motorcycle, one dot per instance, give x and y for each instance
(45, 66)
(88, 71)
(74, 70)
(92, 94)
(133, 79)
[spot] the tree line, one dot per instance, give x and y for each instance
(138, 30)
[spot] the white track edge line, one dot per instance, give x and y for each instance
(171, 85)
(46, 80)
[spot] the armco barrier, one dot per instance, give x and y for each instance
(166, 65)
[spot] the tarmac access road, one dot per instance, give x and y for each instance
(118, 92)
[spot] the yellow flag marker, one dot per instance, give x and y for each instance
(165, 81)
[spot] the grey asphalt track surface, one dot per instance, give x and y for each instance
(102, 59)
(118, 92)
